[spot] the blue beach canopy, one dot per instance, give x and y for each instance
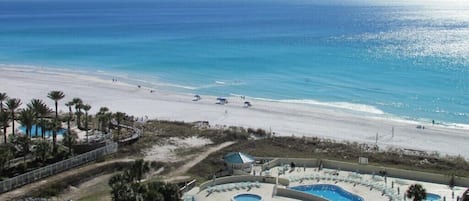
(238, 158)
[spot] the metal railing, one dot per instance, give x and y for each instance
(32, 176)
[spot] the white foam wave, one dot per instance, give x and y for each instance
(340, 105)
(218, 83)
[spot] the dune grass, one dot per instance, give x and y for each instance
(327, 149)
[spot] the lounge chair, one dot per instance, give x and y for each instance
(347, 180)
(216, 189)
(334, 178)
(210, 189)
(188, 198)
(341, 178)
(242, 186)
(249, 184)
(379, 187)
(257, 184)
(223, 188)
(293, 178)
(367, 183)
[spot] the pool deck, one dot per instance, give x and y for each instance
(308, 176)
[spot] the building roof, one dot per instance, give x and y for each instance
(238, 158)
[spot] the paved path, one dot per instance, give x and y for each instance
(183, 169)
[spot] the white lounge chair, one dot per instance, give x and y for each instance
(257, 184)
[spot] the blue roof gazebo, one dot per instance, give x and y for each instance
(239, 161)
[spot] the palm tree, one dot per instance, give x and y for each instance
(54, 126)
(103, 117)
(119, 116)
(139, 168)
(26, 118)
(70, 114)
(56, 96)
(69, 140)
(78, 104)
(69, 131)
(86, 108)
(3, 97)
(120, 188)
(163, 191)
(417, 192)
(44, 112)
(13, 104)
(40, 110)
(4, 123)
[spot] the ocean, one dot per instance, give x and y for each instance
(400, 61)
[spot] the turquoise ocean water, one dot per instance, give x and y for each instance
(408, 61)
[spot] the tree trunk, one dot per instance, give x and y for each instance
(118, 130)
(36, 132)
(5, 134)
(43, 130)
(69, 132)
(79, 119)
(54, 141)
(13, 123)
(56, 112)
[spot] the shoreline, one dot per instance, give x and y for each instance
(283, 118)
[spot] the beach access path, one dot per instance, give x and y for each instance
(285, 119)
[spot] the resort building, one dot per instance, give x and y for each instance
(278, 179)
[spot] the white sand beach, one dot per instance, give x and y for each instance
(285, 119)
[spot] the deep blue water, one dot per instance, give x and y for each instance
(39, 131)
(329, 192)
(405, 61)
(247, 197)
(432, 197)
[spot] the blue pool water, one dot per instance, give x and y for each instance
(432, 197)
(404, 61)
(330, 192)
(247, 197)
(39, 131)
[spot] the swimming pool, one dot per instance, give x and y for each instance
(432, 197)
(247, 197)
(39, 131)
(330, 192)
